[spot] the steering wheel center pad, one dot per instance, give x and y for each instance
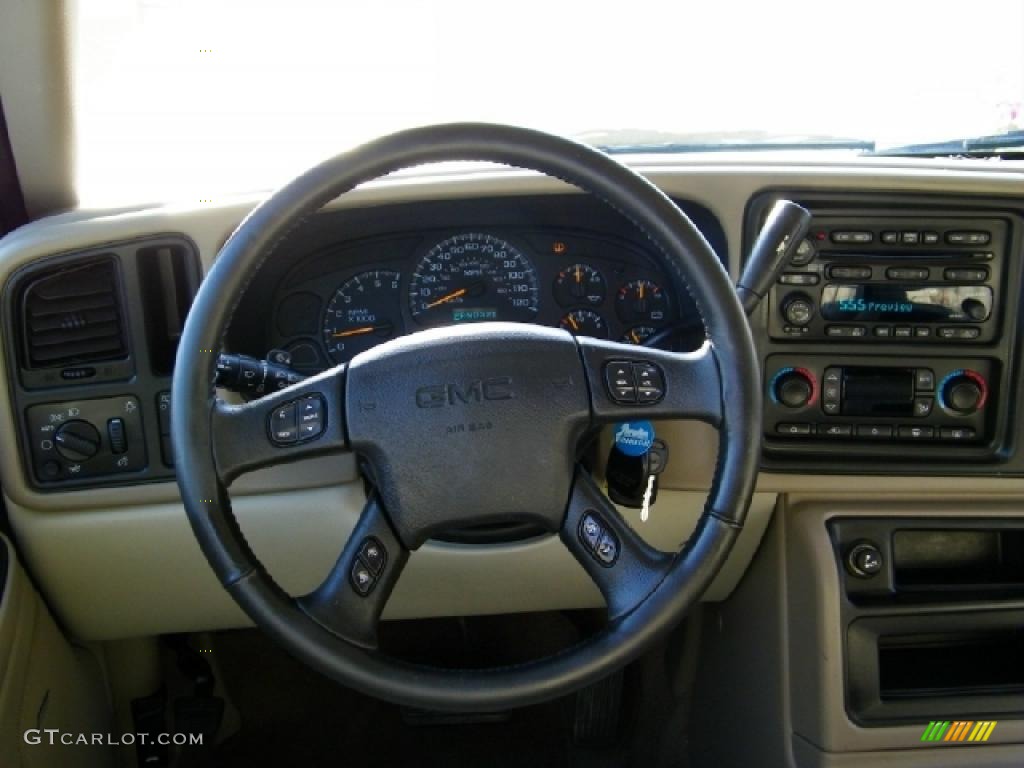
(469, 425)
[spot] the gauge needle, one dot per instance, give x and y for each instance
(579, 275)
(360, 331)
(449, 297)
(573, 323)
(634, 337)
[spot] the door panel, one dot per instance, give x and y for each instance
(45, 683)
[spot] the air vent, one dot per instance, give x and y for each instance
(72, 317)
(168, 278)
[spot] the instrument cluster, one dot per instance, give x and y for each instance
(348, 299)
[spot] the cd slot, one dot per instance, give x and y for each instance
(908, 255)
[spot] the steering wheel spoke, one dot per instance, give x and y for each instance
(625, 568)
(349, 602)
(303, 420)
(629, 382)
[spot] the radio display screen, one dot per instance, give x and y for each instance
(907, 303)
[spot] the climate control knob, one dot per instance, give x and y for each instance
(798, 309)
(963, 392)
(793, 387)
(77, 440)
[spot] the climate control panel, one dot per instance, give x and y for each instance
(876, 400)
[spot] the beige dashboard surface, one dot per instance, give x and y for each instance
(120, 562)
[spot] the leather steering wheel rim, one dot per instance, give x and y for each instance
(730, 368)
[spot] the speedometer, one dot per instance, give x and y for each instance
(471, 278)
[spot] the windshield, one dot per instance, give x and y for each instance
(197, 100)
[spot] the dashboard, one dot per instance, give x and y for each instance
(348, 287)
(147, 263)
(891, 357)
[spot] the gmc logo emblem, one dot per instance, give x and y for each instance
(477, 391)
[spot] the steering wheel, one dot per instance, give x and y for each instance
(532, 395)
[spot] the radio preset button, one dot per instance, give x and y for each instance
(908, 273)
(846, 236)
(799, 278)
(850, 273)
(916, 433)
(874, 431)
(968, 238)
(890, 238)
(910, 238)
(963, 332)
(922, 332)
(846, 331)
(929, 238)
(972, 275)
(902, 331)
(882, 331)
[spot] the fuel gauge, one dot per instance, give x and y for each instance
(585, 322)
(639, 334)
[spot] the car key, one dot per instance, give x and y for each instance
(657, 460)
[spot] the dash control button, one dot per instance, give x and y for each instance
(363, 581)
(372, 555)
(311, 417)
(607, 549)
(650, 382)
(116, 436)
(618, 376)
(284, 428)
(590, 531)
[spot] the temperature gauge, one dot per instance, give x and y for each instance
(579, 284)
(585, 322)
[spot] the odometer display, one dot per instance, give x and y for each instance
(472, 278)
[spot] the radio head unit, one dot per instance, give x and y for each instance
(928, 280)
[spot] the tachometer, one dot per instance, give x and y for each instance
(363, 312)
(473, 277)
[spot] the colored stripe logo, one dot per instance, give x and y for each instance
(975, 731)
